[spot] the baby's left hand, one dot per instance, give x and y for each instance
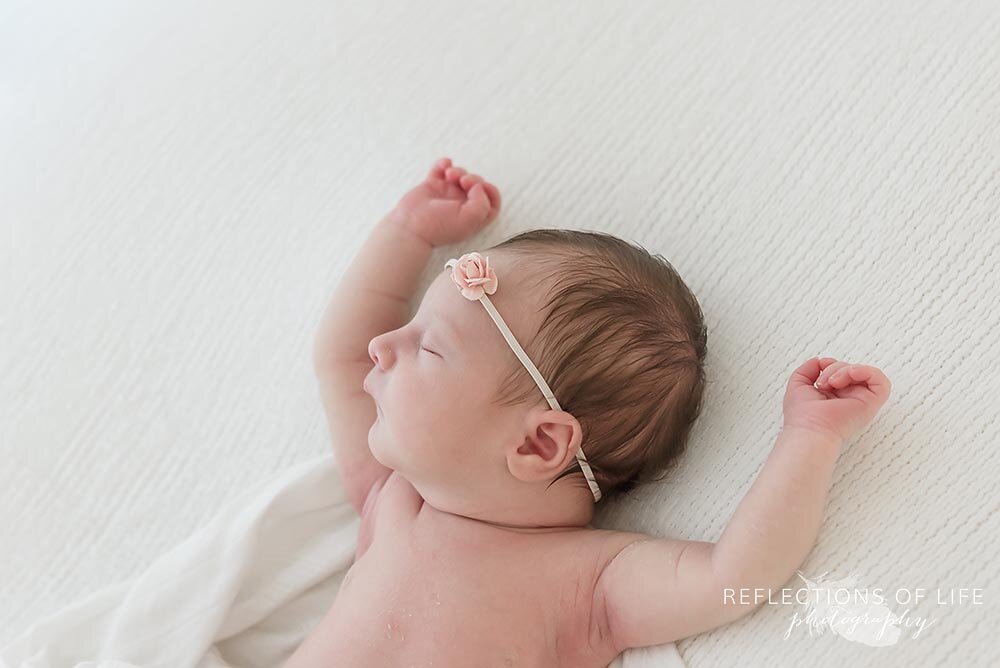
(831, 397)
(449, 206)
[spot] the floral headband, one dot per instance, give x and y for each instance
(474, 278)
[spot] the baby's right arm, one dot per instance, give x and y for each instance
(657, 590)
(373, 297)
(368, 300)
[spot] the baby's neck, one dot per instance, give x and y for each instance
(564, 510)
(528, 529)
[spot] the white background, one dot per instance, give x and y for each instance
(181, 184)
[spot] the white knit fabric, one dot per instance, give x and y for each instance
(183, 183)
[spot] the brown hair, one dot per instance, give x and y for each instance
(622, 346)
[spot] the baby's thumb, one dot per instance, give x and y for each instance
(479, 199)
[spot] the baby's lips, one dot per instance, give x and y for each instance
(367, 386)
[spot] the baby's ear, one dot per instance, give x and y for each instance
(550, 443)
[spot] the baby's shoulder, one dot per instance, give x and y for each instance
(584, 555)
(590, 551)
(599, 547)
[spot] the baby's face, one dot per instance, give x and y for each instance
(435, 379)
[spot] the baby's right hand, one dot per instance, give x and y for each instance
(831, 397)
(449, 206)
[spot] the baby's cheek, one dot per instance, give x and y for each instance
(431, 418)
(443, 412)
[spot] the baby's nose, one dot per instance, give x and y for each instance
(378, 357)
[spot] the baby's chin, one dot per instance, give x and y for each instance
(374, 437)
(377, 438)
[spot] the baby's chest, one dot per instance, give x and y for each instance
(420, 591)
(441, 596)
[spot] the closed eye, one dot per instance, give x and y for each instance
(430, 351)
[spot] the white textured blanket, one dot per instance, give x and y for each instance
(182, 184)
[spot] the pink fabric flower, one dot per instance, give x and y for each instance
(473, 276)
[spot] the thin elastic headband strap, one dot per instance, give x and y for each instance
(542, 385)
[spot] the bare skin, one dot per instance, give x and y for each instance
(429, 588)
(466, 556)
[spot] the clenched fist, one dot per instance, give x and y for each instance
(832, 397)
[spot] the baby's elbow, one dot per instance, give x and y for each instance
(744, 597)
(746, 591)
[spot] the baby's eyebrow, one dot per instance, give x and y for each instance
(449, 334)
(449, 331)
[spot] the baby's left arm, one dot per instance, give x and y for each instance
(659, 590)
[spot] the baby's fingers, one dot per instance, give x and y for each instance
(476, 209)
(469, 180)
(823, 382)
(437, 171)
(876, 381)
(453, 174)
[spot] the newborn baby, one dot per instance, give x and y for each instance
(538, 377)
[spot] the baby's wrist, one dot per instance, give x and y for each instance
(402, 222)
(812, 435)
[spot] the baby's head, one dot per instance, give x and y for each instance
(614, 332)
